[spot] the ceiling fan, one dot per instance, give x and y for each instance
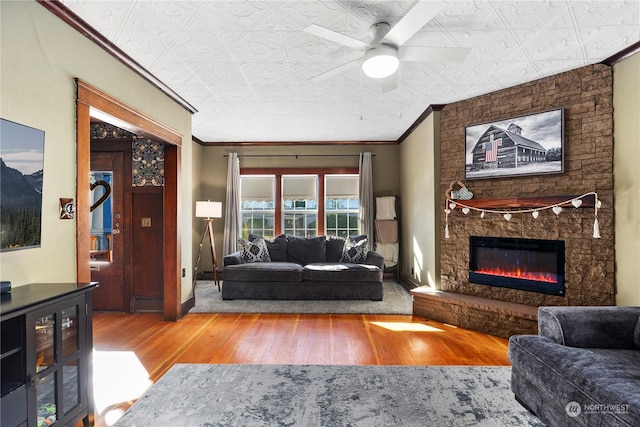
(383, 54)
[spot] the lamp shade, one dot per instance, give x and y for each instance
(209, 209)
(380, 62)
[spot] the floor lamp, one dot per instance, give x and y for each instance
(208, 210)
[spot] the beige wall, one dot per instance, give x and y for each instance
(40, 56)
(385, 166)
(626, 160)
(420, 172)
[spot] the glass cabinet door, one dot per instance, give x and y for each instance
(46, 400)
(45, 329)
(70, 354)
(55, 368)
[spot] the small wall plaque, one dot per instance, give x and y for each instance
(67, 209)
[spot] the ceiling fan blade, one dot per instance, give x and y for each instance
(337, 71)
(413, 21)
(336, 37)
(432, 54)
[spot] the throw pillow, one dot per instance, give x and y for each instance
(306, 250)
(358, 237)
(355, 251)
(335, 246)
(277, 247)
(255, 251)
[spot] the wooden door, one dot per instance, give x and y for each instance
(147, 249)
(107, 230)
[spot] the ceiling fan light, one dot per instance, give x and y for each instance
(380, 62)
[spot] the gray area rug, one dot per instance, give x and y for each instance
(323, 395)
(396, 300)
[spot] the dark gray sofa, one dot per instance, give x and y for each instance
(303, 269)
(583, 367)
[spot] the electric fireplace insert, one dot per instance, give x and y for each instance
(525, 264)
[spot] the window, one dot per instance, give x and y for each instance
(257, 198)
(299, 202)
(300, 205)
(342, 205)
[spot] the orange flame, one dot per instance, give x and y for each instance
(519, 274)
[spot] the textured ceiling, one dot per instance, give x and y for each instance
(245, 65)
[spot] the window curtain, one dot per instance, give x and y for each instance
(366, 196)
(232, 220)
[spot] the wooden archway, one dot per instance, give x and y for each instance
(91, 101)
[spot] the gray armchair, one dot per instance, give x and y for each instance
(583, 367)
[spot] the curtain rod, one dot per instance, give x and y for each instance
(298, 155)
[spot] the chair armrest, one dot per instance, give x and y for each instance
(232, 259)
(374, 258)
(589, 327)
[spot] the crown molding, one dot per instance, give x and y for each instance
(430, 109)
(289, 143)
(196, 140)
(80, 25)
(623, 54)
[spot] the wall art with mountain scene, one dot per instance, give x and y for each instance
(21, 173)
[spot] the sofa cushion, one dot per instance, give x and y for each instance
(305, 250)
(302, 291)
(335, 245)
(255, 251)
(636, 334)
(264, 272)
(277, 247)
(355, 251)
(341, 272)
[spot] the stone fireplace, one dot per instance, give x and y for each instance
(589, 264)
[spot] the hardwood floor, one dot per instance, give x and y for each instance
(131, 351)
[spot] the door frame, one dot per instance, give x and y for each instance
(92, 102)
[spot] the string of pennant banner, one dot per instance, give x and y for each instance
(557, 208)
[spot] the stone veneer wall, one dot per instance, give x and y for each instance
(586, 94)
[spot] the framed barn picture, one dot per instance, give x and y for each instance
(525, 145)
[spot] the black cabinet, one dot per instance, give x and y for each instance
(46, 355)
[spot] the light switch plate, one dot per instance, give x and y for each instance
(146, 222)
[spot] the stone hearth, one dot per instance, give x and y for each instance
(490, 316)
